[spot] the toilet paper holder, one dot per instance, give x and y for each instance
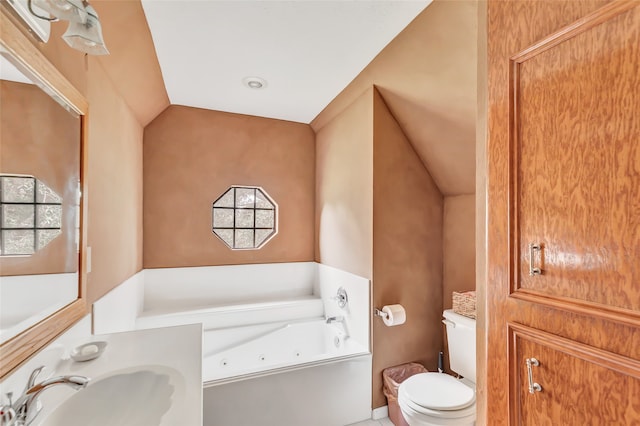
(379, 313)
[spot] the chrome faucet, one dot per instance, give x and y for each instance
(28, 406)
(335, 319)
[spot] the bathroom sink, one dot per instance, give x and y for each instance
(130, 397)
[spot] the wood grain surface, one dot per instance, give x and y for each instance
(576, 162)
(570, 183)
(16, 351)
(564, 366)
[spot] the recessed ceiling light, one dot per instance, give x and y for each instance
(254, 82)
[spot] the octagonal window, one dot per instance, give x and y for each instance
(245, 217)
(30, 215)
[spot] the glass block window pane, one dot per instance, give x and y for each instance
(44, 194)
(18, 242)
(227, 200)
(226, 235)
(265, 218)
(245, 197)
(262, 202)
(262, 235)
(45, 236)
(49, 216)
(222, 218)
(18, 189)
(18, 216)
(244, 217)
(30, 215)
(244, 238)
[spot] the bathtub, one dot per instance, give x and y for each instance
(265, 338)
(300, 345)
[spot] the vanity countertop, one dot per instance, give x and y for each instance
(176, 351)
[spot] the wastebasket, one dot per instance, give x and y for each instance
(392, 377)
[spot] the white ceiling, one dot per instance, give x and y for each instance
(307, 51)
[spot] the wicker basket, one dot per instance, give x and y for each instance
(465, 303)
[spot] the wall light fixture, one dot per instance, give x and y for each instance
(84, 32)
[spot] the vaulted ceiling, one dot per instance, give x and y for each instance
(426, 75)
(305, 51)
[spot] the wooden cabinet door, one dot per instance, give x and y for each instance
(563, 220)
(569, 383)
(575, 163)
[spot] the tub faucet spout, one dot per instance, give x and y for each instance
(335, 319)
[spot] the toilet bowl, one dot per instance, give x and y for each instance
(438, 399)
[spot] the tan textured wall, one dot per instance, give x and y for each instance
(427, 77)
(38, 137)
(132, 64)
(344, 193)
(407, 250)
(192, 156)
(459, 246)
(379, 214)
(115, 186)
(124, 90)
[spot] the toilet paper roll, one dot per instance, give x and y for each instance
(396, 315)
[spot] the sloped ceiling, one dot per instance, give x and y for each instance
(427, 77)
(132, 63)
(307, 51)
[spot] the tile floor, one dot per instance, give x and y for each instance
(381, 422)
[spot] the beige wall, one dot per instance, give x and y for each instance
(459, 246)
(407, 250)
(344, 189)
(40, 138)
(192, 156)
(115, 186)
(379, 215)
(427, 77)
(124, 90)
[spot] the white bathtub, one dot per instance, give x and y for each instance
(299, 345)
(265, 338)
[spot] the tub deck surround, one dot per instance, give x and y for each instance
(237, 315)
(173, 352)
(260, 319)
(262, 324)
(193, 288)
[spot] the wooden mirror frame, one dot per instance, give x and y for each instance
(20, 348)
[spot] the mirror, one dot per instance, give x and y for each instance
(42, 163)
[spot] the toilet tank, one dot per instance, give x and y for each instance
(461, 339)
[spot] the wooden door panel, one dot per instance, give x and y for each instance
(575, 162)
(581, 385)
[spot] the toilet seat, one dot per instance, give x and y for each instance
(437, 396)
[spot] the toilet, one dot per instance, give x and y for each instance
(437, 399)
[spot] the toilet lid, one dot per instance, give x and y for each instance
(438, 391)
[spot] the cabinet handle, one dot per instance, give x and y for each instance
(533, 386)
(533, 248)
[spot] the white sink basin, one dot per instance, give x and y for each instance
(131, 397)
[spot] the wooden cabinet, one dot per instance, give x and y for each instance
(568, 383)
(564, 212)
(575, 162)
